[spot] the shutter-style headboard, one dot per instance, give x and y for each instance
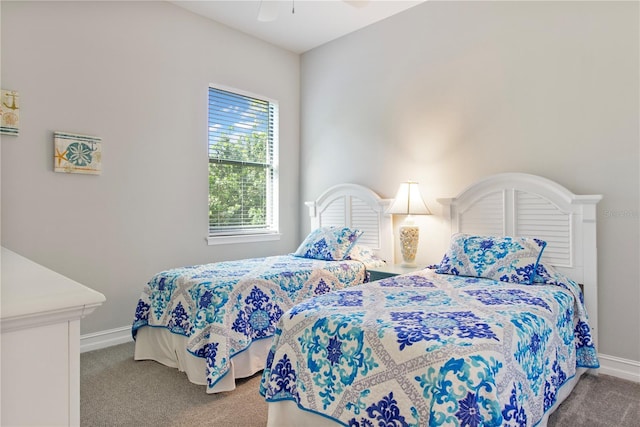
(355, 206)
(518, 204)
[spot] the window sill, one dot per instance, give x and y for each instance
(242, 238)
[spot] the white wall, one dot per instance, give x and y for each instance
(137, 75)
(449, 92)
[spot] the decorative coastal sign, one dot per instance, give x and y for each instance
(9, 112)
(77, 153)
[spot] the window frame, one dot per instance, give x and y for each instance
(272, 231)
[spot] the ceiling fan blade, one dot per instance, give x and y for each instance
(268, 11)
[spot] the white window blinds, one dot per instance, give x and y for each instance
(243, 136)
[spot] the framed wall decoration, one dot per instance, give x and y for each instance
(77, 153)
(9, 112)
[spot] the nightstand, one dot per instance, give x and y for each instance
(391, 270)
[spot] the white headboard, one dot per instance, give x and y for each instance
(518, 204)
(352, 205)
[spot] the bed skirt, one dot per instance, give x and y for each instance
(165, 347)
(286, 413)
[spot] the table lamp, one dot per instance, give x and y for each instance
(408, 201)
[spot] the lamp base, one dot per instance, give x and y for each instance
(408, 264)
(409, 235)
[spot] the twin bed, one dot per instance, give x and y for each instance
(215, 321)
(496, 334)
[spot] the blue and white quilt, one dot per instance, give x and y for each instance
(223, 307)
(428, 349)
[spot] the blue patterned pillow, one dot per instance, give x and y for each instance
(547, 275)
(508, 259)
(328, 243)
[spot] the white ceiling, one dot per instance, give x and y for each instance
(313, 23)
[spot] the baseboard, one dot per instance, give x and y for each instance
(104, 339)
(618, 367)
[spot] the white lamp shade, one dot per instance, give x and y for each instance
(408, 201)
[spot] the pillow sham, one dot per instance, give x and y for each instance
(508, 259)
(547, 275)
(328, 243)
(365, 255)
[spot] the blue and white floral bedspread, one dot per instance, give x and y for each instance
(431, 349)
(222, 307)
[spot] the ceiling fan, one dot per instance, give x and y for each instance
(268, 10)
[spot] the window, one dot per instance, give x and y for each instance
(243, 175)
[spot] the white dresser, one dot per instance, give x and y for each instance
(40, 348)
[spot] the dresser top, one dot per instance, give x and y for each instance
(29, 289)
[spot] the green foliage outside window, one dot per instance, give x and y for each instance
(238, 172)
(242, 140)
